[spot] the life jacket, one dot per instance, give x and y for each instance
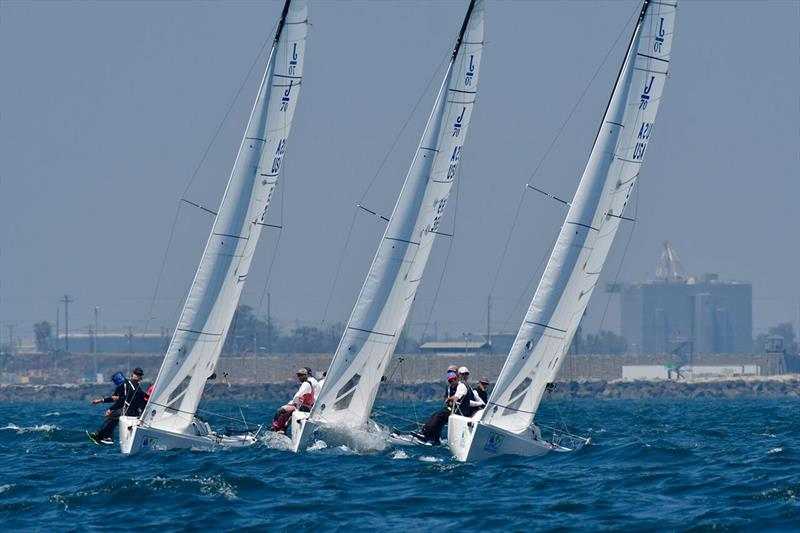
(463, 407)
(483, 395)
(451, 390)
(307, 399)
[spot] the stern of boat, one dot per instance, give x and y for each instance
(302, 430)
(473, 440)
(128, 434)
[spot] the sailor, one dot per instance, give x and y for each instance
(302, 400)
(315, 385)
(481, 393)
(432, 430)
(127, 400)
(464, 398)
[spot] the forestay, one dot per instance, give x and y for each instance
(591, 223)
(385, 299)
(217, 286)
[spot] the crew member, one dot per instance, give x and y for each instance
(301, 401)
(481, 393)
(464, 398)
(127, 400)
(432, 430)
(315, 385)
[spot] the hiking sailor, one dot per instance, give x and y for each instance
(464, 399)
(432, 430)
(301, 401)
(127, 400)
(316, 386)
(481, 393)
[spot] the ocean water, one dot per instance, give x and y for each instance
(679, 465)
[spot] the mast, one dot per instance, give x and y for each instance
(382, 307)
(594, 216)
(214, 295)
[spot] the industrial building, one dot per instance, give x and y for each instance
(679, 313)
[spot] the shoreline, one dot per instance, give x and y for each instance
(782, 386)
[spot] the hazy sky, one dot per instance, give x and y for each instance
(106, 109)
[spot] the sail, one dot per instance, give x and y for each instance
(385, 299)
(214, 295)
(590, 226)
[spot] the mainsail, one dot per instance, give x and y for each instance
(217, 286)
(383, 305)
(591, 223)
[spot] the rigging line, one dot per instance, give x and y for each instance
(439, 284)
(403, 127)
(194, 175)
(227, 113)
(624, 253)
(206, 411)
(339, 266)
(552, 145)
(526, 293)
(369, 186)
(398, 417)
(163, 266)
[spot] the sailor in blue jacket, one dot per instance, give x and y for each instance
(127, 399)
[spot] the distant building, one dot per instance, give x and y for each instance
(116, 342)
(680, 313)
(454, 347)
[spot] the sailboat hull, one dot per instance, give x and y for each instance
(471, 440)
(302, 430)
(135, 438)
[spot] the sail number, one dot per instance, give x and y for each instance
(276, 161)
(641, 143)
(437, 218)
(451, 171)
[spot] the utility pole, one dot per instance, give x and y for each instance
(489, 322)
(269, 324)
(58, 328)
(129, 338)
(67, 300)
(96, 348)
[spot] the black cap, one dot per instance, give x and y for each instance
(138, 371)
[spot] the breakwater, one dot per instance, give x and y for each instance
(749, 387)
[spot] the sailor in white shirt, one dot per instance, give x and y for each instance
(302, 400)
(466, 402)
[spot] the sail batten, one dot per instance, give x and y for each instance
(215, 291)
(595, 212)
(389, 289)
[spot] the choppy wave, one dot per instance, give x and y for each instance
(667, 465)
(30, 429)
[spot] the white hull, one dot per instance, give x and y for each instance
(302, 431)
(471, 440)
(134, 437)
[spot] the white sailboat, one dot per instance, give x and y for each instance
(372, 332)
(506, 425)
(169, 419)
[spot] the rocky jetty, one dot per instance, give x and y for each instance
(745, 387)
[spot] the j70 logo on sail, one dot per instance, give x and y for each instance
(646, 94)
(285, 99)
(660, 39)
(293, 61)
(459, 119)
(470, 71)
